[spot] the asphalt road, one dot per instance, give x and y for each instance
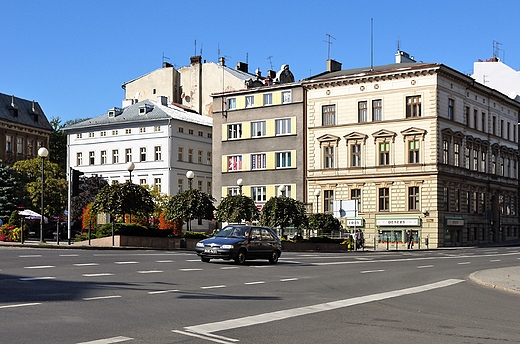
(131, 296)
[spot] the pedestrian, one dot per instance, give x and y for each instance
(410, 239)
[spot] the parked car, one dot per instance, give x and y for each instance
(241, 243)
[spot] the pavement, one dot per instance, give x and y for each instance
(506, 279)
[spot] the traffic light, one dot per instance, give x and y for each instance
(75, 181)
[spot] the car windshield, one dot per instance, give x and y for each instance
(233, 232)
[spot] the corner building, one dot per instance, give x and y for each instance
(421, 147)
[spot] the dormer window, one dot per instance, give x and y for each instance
(113, 112)
(145, 108)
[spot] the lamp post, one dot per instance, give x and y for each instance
(317, 194)
(130, 167)
(240, 182)
(190, 175)
(281, 189)
(42, 153)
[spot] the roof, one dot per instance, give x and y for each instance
(154, 111)
(27, 110)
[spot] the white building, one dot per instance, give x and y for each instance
(499, 76)
(163, 141)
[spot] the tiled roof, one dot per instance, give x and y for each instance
(26, 113)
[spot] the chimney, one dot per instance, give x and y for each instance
(403, 57)
(167, 65)
(333, 66)
(243, 67)
(163, 100)
(222, 61)
(195, 60)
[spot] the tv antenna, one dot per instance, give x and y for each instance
(164, 57)
(270, 61)
(496, 48)
(329, 36)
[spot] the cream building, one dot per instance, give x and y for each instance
(421, 147)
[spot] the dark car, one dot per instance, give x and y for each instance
(241, 243)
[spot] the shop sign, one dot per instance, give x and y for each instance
(355, 223)
(398, 222)
(455, 222)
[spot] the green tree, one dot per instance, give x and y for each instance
(324, 223)
(237, 208)
(55, 196)
(9, 185)
(58, 141)
(120, 199)
(190, 204)
(89, 188)
(283, 212)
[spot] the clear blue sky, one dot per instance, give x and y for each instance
(72, 56)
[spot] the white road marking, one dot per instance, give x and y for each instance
(190, 269)
(207, 329)
(213, 287)
(192, 260)
(495, 260)
(86, 264)
(30, 256)
(164, 261)
(69, 255)
(108, 340)
(206, 337)
(464, 263)
(424, 266)
(101, 297)
(253, 283)
(36, 278)
(39, 267)
(21, 305)
(149, 271)
(288, 279)
(163, 291)
(126, 263)
(236, 267)
(370, 271)
(97, 275)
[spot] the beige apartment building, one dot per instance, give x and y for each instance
(421, 147)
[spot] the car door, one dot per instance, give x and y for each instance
(268, 243)
(255, 243)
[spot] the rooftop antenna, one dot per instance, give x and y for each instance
(201, 48)
(270, 61)
(398, 43)
(164, 57)
(496, 48)
(247, 58)
(195, 52)
(371, 43)
(329, 44)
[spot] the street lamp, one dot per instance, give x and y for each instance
(281, 189)
(317, 194)
(190, 175)
(240, 182)
(42, 153)
(130, 167)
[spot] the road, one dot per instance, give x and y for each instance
(131, 296)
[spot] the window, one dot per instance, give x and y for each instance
(286, 193)
(283, 126)
(413, 198)
(128, 131)
(286, 97)
(157, 128)
(446, 198)
(413, 106)
(457, 200)
(475, 119)
(466, 115)
(328, 157)
(451, 109)
(250, 101)
(78, 136)
(235, 163)
(355, 195)
(355, 155)
(456, 152)
(483, 156)
(157, 184)
(384, 153)
(91, 158)
(158, 153)
(210, 135)
(328, 201)
(328, 114)
(258, 161)
(115, 132)
(142, 181)
(258, 193)
(79, 159)
(199, 185)
(413, 151)
(475, 160)
(128, 155)
(377, 110)
(268, 99)
(199, 156)
(232, 103)
(181, 129)
(208, 158)
(115, 156)
(208, 186)
(494, 125)
(508, 130)
(201, 133)
(190, 154)
(234, 131)
(483, 122)
(362, 111)
(30, 148)
(445, 152)
(19, 145)
(9, 144)
(143, 154)
(179, 184)
(258, 129)
(467, 152)
(142, 130)
(384, 199)
(91, 134)
(502, 128)
(233, 190)
(190, 131)
(103, 133)
(283, 159)
(180, 153)
(103, 157)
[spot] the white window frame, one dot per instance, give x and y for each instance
(258, 129)
(258, 193)
(258, 161)
(283, 126)
(283, 159)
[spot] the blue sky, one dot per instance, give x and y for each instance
(72, 56)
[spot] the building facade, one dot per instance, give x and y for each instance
(163, 141)
(23, 129)
(420, 147)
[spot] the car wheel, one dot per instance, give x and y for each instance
(274, 257)
(204, 259)
(241, 257)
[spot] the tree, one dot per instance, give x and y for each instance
(323, 223)
(89, 188)
(55, 197)
(237, 208)
(120, 199)
(283, 212)
(9, 199)
(190, 204)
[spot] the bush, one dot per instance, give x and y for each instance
(195, 235)
(324, 239)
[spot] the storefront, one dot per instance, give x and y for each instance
(394, 230)
(453, 226)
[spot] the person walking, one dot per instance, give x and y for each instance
(410, 239)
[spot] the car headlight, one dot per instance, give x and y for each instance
(227, 247)
(200, 244)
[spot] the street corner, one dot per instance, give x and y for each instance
(507, 279)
